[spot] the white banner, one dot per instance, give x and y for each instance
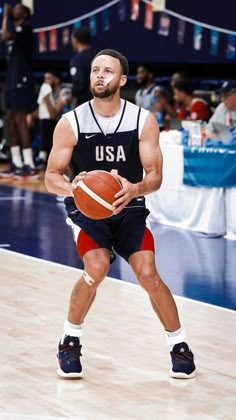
(30, 4)
(159, 5)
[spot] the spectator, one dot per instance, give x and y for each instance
(80, 65)
(224, 117)
(179, 76)
(163, 107)
(144, 96)
(19, 100)
(51, 100)
(192, 108)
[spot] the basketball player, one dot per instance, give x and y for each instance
(112, 134)
(17, 33)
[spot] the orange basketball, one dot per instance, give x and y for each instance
(94, 194)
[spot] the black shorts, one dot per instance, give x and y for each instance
(125, 233)
(20, 100)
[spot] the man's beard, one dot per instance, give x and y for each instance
(105, 94)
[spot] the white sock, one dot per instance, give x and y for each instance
(71, 329)
(16, 156)
(28, 157)
(43, 155)
(175, 337)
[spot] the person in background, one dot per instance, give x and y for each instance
(51, 101)
(223, 120)
(145, 95)
(18, 35)
(163, 107)
(179, 76)
(192, 108)
(80, 65)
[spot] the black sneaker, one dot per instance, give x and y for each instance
(40, 164)
(9, 173)
(27, 172)
(69, 353)
(183, 366)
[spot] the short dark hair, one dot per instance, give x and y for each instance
(116, 54)
(82, 35)
(27, 11)
(184, 86)
(147, 67)
(55, 73)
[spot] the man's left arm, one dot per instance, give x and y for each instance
(151, 158)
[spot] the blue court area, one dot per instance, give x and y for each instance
(192, 265)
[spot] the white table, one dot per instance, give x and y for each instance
(211, 211)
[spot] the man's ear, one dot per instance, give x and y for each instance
(123, 80)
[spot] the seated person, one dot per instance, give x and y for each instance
(163, 107)
(193, 108)
(224, 116)
(147, 86)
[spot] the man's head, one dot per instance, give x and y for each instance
(144, 75)
(109, 71)
(80, 38)
(178, 76)
(183, 89)
(228, 94)
(20, 12)
(52, 77)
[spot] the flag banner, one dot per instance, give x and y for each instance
(164, 25)
(148, 23)
(209, 167)
(134, 9)
(122, 10)
(159, 5)
(42, 42)
(230, 51)
(181, 31)
(53, 40)
(197, 37)
(65, 36)
(77, 24)
(105, 20)
(214, 42)
(92, 25)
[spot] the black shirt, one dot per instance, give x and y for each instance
(80, 65)
(19, 60)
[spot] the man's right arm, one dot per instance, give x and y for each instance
(64, 141)
(7, 35)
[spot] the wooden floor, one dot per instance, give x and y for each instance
(125, 355)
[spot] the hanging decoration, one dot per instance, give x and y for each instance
(42, 42)
(214, 42)
(151, 8)
(181, 31)
(148, 23)
(134, 9)
(230, 51)
(122, 11)
(197, 37)
(53, 40)
(164, 25)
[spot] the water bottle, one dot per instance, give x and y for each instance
(232, 135)
(184, 137)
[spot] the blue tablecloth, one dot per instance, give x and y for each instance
(210, 167)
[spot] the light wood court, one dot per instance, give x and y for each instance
(125, 355)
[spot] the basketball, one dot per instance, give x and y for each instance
(94, 194)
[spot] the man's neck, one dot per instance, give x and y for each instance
(82, 48)
(19, 22)
(107, 107)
